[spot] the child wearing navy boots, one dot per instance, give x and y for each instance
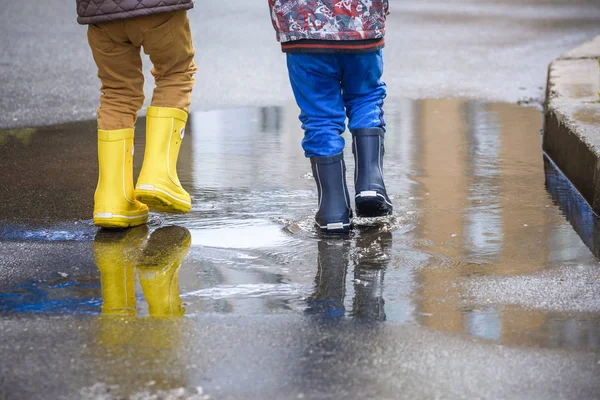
(335, 64)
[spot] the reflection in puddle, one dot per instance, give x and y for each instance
(256, 290)
(54, 233)
(257, 234)
(23, 135)
(368, 260)
(574, 207)
(156, 260)
(477, 216)
(119, 255)
(56, 295)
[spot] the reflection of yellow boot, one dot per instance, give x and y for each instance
(158, 184)
(158, 269)
(114, 202)
(114, 254)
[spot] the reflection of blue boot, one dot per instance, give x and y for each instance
(334, 212)
(373, 250)
(327, 300)
(371, 197)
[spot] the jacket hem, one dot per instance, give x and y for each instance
(95, 19)
(284, 37)
(333, 46)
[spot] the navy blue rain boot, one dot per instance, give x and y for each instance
(371, 197)
(333, 216)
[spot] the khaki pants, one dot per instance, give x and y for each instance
(115, 45)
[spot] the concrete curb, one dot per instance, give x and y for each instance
(572, 118)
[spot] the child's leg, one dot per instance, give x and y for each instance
(315, 80)
(363, 93)
(120, 72)
(168, 42)
(119, 69)
(363, 90)
(171, 51)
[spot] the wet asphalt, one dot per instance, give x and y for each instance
(485, 283)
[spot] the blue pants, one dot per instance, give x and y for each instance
(329, 87)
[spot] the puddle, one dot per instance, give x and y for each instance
(482, 226)
(255, 235)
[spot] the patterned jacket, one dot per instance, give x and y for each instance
(95, 11)
(320, 25)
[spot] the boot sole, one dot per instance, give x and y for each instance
(120, 221)
(159, 201)
(334, 229)
(369, 207)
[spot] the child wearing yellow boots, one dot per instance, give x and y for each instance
(116, 34)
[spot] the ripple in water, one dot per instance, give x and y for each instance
(305, 227)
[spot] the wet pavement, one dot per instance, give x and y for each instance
(484, 283)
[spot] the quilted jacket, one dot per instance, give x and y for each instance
(328, 19)
(95, 11)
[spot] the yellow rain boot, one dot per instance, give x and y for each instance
(114, 203)
(158, 184)
(158, 270)
(115, 253)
